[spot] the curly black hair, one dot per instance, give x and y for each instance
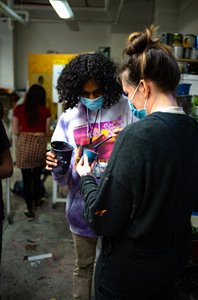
(83, 68)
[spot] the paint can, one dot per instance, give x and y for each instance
(189, 41)
(167, 38)
(177, 39)
(194, 53)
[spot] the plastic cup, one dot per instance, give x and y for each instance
(63, 152)
(92, 155)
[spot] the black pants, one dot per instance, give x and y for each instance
(124, 273)
(32, 186)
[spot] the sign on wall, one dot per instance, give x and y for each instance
(57, 69)
(44, 69)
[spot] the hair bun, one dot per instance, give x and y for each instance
(138, 42)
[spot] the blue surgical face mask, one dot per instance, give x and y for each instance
(138, 113)
(93, 104)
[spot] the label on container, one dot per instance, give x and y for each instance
(178, 51)
(189, 41)
(194, 53)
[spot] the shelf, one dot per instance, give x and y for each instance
(187, 60)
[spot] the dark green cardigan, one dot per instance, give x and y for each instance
(149, 185)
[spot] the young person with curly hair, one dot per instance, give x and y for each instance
(31, 125)
(148, 187)
(94, 109)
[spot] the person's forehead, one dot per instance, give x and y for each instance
(91, 86)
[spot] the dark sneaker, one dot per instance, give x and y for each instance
(29, 215)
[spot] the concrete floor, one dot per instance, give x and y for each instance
(49, 278)
(42, 279)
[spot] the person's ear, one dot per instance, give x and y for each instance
(145, 88)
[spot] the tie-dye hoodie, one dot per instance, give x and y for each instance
(74, 127)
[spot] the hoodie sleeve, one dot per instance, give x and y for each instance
(60, 134)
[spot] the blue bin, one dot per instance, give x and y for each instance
(183, 89)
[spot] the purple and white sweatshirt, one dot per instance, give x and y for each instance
(74, 127)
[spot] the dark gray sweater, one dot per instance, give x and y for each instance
(149, 185)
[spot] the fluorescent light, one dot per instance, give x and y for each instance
(62, 8)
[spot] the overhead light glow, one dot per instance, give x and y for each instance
(62, 8)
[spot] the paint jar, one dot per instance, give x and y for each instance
(177, 39)
(189, 41)
(195, 111)
(178, 51)
(187, 53)
(167, 38)
(194, 53)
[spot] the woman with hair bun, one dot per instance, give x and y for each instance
(143, 203)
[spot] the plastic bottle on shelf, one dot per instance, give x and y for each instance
(194, 53)
(177, 45)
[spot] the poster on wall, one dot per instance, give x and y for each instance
(44, 69)
(57, 69)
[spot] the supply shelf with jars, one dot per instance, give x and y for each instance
(188, 60)
(185, 50)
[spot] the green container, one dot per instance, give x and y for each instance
(177, 39)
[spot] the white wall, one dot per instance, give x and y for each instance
(188, 17)
(117, 42)
(6, 56)
(41, 37)
(170, 16)
(166, 13)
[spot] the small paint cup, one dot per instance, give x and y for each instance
(92, 155)
(63, 152)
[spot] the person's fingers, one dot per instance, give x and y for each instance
(81, 161)
(50, 155)
(47, 167)
(86, 162)
(93, 164)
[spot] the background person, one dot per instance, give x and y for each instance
(6, 169)
(31, 123)
(142, 206)
(94, 108)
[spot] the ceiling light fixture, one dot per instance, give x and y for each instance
(62, 8)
